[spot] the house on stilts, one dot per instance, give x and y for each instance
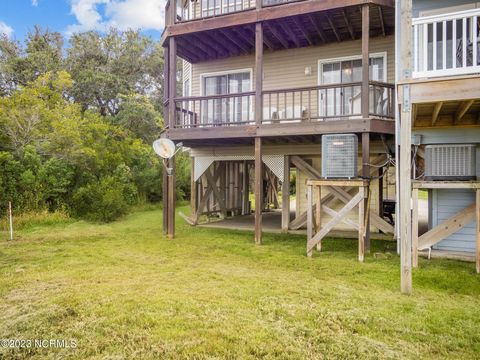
(297, 113)
(263, 81)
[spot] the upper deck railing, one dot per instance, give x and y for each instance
(446, 45)
(283, 106)
(201, 9)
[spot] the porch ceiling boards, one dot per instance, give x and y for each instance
(464, 113)
(447, 101)
(316, 28)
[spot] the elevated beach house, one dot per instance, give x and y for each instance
(263, 81)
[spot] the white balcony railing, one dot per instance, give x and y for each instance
(446, 45)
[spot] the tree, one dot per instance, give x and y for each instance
(138, 115)
(28, 115)
(19, 66)
(76, 127)
(105, 67)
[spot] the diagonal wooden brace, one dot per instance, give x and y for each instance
(447, 228)
(336, 193)
(333, 222)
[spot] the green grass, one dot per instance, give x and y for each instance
(423, 194)
(123, 291)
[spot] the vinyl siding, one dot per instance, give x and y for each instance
(286, 68)
(449, 136)
(447, 203)
(186, 75)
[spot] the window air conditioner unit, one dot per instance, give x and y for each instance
(339, 156)
(450, 162)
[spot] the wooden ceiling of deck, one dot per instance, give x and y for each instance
(286, 33)
(249, 141)
(447, 113)
(269, 140)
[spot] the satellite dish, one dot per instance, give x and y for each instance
(165, 148)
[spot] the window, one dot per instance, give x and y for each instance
(346, 100)
(226, 109)
(186, 87)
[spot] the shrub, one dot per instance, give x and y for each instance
(102, 201)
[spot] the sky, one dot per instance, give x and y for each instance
(17, 17)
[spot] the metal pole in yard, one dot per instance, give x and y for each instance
(10, 219)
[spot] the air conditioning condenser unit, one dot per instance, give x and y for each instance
(450, 162)
(339, 156)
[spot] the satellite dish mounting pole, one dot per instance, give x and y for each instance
(166, 149)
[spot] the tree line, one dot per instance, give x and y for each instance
(77, 119)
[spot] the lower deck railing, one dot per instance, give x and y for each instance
(317, 103)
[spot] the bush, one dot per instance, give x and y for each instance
(102, 201)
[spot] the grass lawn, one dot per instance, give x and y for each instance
(123, 291)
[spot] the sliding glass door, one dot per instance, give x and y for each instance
(226, 109)
(343, 99)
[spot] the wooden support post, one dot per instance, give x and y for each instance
(193, 188)
(166, 73)
(365, 61)
(165, 163)
(477, 212)
(258, 72)
(172, 82)
(366, 175)
(245, 187)
(165, 197)
(381, 174)
(361, 225)
(309, 219)
(258, 120)
(415, 228)
(366, 107)
(405, 202)
(258, 190)
(405, 177)
(318, 215)
(171, 199)
(173, 12)
(286, 194)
